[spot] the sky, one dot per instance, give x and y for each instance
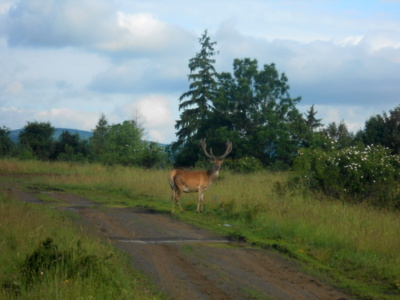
(67, 62)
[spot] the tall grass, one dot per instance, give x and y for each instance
(356, 242)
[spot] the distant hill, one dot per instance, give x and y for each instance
(82, 133)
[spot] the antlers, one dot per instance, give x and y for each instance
(227, 151)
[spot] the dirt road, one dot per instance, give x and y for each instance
(190, 263)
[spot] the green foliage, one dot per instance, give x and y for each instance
(196, 103)
(355, 244)
(244, 164)
(383, 130)
(6, 144)
(153, 156)
(311, 121)
(340, 134)
(368, 174)
(255, 103)
(310, 131)
(110, 144)
(37, 137)
(99, 138)
(24, 153)
(123, 144)
(251, 107)
(47, 260)
(46, 257)
(70, 147)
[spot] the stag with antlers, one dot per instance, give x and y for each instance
(196, 181)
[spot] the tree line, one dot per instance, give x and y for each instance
(121, 144)
(251, 107)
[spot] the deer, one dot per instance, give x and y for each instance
(196, 181)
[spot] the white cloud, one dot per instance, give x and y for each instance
(15, 88)
(64, 117)
(5, 7)
(93, 24)
(68, 61)
(10, 109)
(144, 35)
(142, 76)
(324, 71)
(154, 113)
(378, 41)
(16, 118)
(51, 23)
(142, 25)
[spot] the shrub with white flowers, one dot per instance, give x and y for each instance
(368, 174)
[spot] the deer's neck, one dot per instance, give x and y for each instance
(213, 173)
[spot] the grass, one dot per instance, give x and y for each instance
(353, 246)
(44, 256)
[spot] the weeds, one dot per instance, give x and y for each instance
(69, 264)
(43, 256)
(355, 242)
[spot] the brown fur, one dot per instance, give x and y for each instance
(196, 181)
(192, 181)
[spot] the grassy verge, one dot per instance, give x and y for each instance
(353, 246)
(43, 256)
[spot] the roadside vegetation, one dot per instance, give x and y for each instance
(44, 256)
(352, 245)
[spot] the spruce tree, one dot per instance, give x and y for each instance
(99, 139)
(312, 122)
(196, 104)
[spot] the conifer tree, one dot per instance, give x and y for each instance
(312, 122)
(196, 104)
(99, 139)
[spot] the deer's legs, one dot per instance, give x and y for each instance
(176, 194)
(173, 201)
(200, 202)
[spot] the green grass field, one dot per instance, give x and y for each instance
(352, 246)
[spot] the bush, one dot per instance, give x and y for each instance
(244, 165)
(368, 174)
(152, 156)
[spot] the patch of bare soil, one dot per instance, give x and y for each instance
(187, 262)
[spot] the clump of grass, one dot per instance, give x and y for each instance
(48, 260)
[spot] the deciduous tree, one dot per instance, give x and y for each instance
(123, 144)
(383, 130)
(256, 105)
(339, 134)
(6, 144)
(37, 137)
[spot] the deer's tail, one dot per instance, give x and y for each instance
(171, 177)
